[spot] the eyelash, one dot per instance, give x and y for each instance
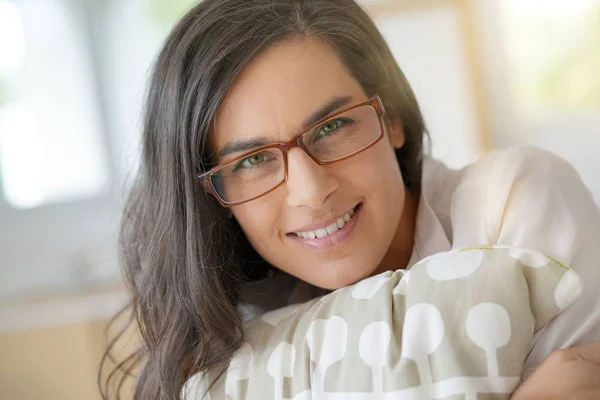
(238, 166)
(341, 121)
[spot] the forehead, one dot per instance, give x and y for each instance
(276, 92)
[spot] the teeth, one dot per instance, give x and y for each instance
(322, 232)
(332, 228)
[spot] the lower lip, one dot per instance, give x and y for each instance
(335, 238)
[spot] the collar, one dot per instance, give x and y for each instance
(430, 236)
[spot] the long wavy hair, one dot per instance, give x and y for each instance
(184, 262)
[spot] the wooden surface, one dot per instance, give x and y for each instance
(56, 361)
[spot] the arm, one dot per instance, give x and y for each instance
(572, 374)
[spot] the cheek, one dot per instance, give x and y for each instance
(380, 170)
(384, 185)
(253, 224)
(260, 222)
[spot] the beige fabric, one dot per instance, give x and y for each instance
(457, 325)
(523, 197)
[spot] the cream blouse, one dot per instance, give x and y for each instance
(522, 197)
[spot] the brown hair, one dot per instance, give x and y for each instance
(183, 262)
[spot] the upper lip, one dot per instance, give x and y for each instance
(322, 224)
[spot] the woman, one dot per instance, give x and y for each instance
(282, 136)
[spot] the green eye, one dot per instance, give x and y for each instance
(331, 126)
(252, 161)
(256, 159)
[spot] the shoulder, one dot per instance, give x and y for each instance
(492, 175)
(519, 173)
(515, 192)
(517, 164)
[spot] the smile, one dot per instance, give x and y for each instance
(322, 232)
(331, 235)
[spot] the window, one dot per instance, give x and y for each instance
(72, 80)
(51, 146)
(553, 50)
(542, 65)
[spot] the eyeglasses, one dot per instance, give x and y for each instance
(335, 138)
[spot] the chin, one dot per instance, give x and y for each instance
(345, 278)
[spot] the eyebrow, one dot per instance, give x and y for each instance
(242, 145)
(246, 145)
(333, 104)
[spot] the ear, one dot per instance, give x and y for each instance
(396, 133)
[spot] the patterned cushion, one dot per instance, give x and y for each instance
(457, 325)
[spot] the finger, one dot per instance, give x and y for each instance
(589, 352)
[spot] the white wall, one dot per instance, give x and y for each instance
(429, 48)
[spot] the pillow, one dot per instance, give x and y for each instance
(456, 325)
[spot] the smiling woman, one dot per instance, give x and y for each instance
(314, 197)
(282, 150)
(262, 84)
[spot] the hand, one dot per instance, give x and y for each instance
(570, 374)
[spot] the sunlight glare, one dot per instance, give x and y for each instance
(12, 42)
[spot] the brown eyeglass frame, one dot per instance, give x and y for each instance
(374, 102)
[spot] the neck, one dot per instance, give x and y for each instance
(401, 248)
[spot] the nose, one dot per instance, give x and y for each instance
(309, 184)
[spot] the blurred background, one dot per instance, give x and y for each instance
(487, 73)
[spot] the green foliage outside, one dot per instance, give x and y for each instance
(168, 12)
(574, 79)
(558, 62)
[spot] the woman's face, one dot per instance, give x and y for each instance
(270, 100)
